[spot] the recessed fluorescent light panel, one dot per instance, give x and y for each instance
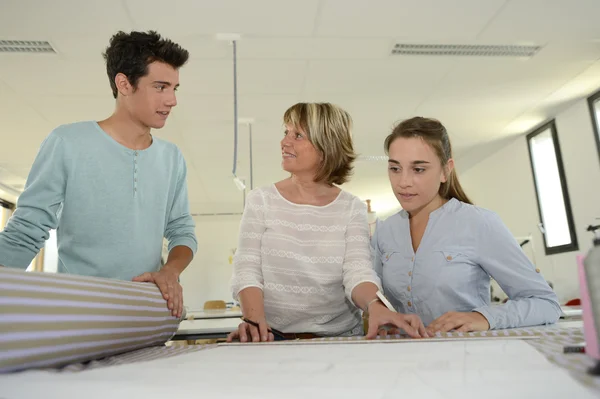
(25, 46)
(469, 50)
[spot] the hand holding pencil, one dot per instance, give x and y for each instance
(382, 314)
(253, 331)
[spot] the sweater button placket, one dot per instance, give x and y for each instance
(135, 168)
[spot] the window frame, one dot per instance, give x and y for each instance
(6, 204)
(592, 100)
(574, 245)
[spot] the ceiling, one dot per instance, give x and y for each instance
(312, 50)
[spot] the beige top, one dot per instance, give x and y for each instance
(307, 260)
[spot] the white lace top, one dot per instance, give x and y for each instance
(306, 259)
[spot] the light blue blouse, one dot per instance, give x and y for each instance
(462, 247)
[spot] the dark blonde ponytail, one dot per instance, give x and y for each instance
(453, 189)
(434, 134)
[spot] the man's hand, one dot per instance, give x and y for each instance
(380, 316)
(167, 282)
(459, 321)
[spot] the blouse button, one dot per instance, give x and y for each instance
(448, 257)
(409, 304)
(409, 274)
(408, 288)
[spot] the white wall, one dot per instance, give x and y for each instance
(51, 253)
(504, 183)
(207, 277)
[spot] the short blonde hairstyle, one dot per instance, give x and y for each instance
(328, 128)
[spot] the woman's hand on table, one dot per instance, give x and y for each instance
(248, 333)
(459, 321)
(381, 317)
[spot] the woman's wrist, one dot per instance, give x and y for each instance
(371, 303)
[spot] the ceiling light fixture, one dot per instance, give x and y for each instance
(26, 46)
(470, 50)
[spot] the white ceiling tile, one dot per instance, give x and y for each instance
(490, 93)
(257, 17)
(15, 150)
(13, 175)
(60, 110)
(217, 111)
(271, 77)
(50, 75)
(41, 20)
(314, 48)
(410, 19)
(20, 120)
(290, 52)
(202, 47)
(267, 110)
(86, 47)
(215, 77)
(540, 21)
(408, 76)
(206, 77)
(583, 85)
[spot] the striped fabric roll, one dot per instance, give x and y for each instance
(51, 320)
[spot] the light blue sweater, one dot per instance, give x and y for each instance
(111, 205)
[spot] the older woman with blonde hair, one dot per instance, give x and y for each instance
(303, 264)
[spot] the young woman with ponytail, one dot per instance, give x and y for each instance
(436, 256)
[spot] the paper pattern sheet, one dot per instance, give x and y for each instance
(499, 368)
(394, 339)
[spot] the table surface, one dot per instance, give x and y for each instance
(547, 340)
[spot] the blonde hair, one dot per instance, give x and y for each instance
(433, 133)
(328, 128)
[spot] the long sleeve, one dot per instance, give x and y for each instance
(247, 265)
(358, 267)
(37, 207)
(531, 300)
(376, 254)
(180, 228)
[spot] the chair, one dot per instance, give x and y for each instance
(215, 305)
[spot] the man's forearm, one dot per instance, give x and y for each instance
(179, 258)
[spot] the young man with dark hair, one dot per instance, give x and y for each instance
(111, 189)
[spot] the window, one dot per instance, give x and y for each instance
(594, 103)
(553, 201)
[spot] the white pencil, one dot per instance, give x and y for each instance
(385, 301)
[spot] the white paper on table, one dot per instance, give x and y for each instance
(490, 369)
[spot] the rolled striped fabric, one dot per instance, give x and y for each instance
(51, 320)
